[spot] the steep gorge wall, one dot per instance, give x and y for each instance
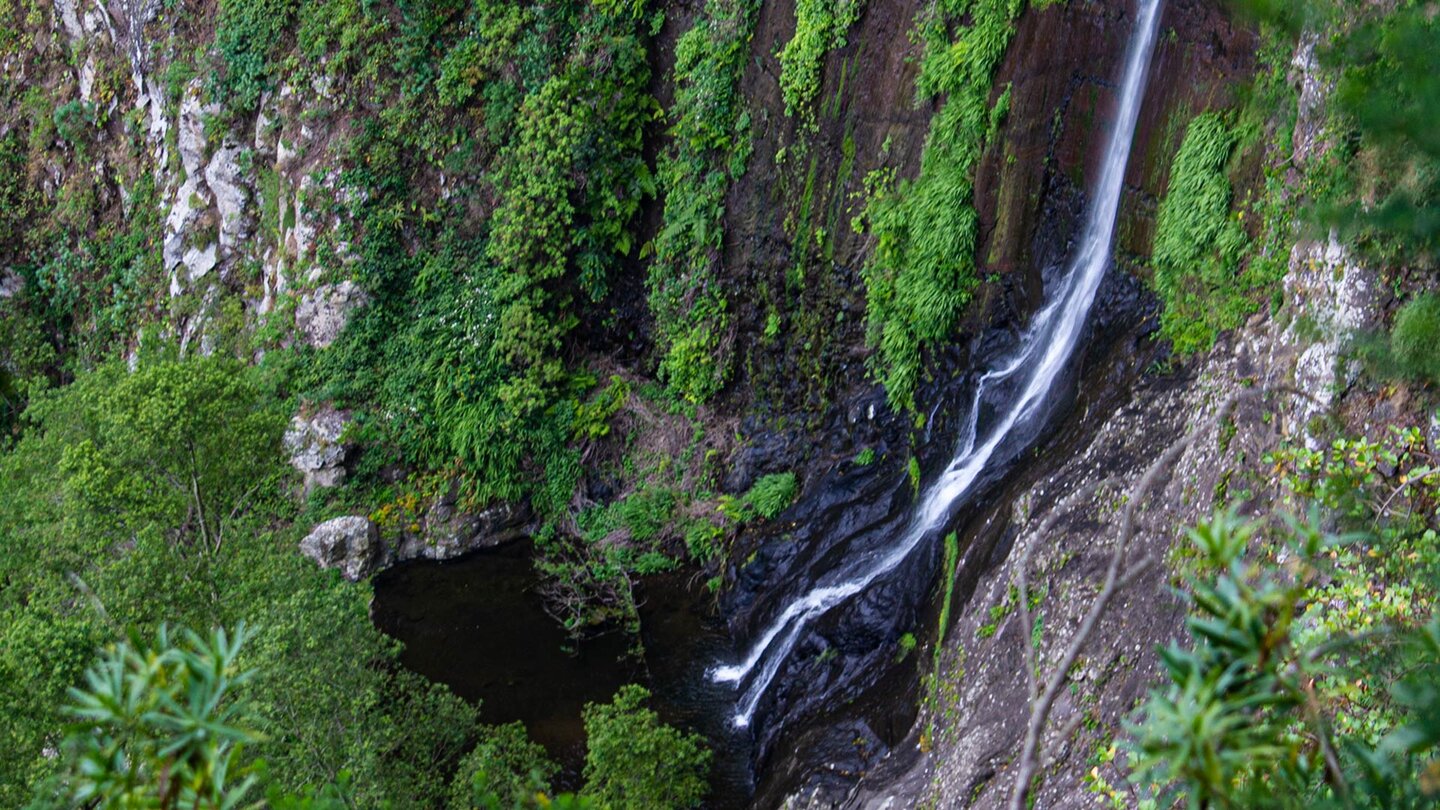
(251, 229)
(1031, 188)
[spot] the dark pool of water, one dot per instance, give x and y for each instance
(478, 625)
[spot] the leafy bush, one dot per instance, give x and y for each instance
(634, 760)
(247, 36)
(1415, 337)
(159, 725)
(1253, 712)
(504, 770)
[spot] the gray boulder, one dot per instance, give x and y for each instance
(321, 315)
(351, 544)
(316, 447)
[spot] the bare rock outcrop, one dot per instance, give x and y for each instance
(447, 531)
(316, 444)
(350, 543)
(323, 314)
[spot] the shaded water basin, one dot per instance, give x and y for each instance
(478, 625)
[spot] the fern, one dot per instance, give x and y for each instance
(922, 273)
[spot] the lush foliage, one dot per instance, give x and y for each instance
(158, 725)
(634, 760)
(1248, 718)
(923, 272)
(133, 499)
(1416, 336)
(552, 237)
(247, 37)
(710, 144)
(820, 27)
(767, 497)
(1389, 92)
(1199, 245)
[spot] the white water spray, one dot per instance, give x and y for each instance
(1045, 349)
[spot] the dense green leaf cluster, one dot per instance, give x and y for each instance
(138, 498)
(1253, 714)
(1199, 244)
(551, 235)
(710, 145)
(247, 38)
(923, 271)
(634, 760)
(821, 26)
(158, 725)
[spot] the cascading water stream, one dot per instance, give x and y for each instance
(1045, 349)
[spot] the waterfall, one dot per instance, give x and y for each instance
(1044, 351)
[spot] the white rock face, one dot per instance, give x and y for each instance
(190, 139)
(316, 449)
(351, 544)
(10, 284)
(227, 182)
(70, 19)
(323, 314)
(1339, 297)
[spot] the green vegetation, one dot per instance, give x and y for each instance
(165, 724)
(767, 497)
(158, 725)
(1199, 245)
(136, 499)
(1265, 709)
(1408, 352)
(931, 680)
(1416, 337)
(633, 760)
(709, 147)
(247, 38)
(923, 271)
(820, 27)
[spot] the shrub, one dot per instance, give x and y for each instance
(160, 725)
(1415, 338)
(248, 34)
(505, 769)
(634, 760)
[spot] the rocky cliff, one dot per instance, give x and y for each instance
(240, 232)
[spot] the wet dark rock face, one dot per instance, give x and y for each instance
(845, 680)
